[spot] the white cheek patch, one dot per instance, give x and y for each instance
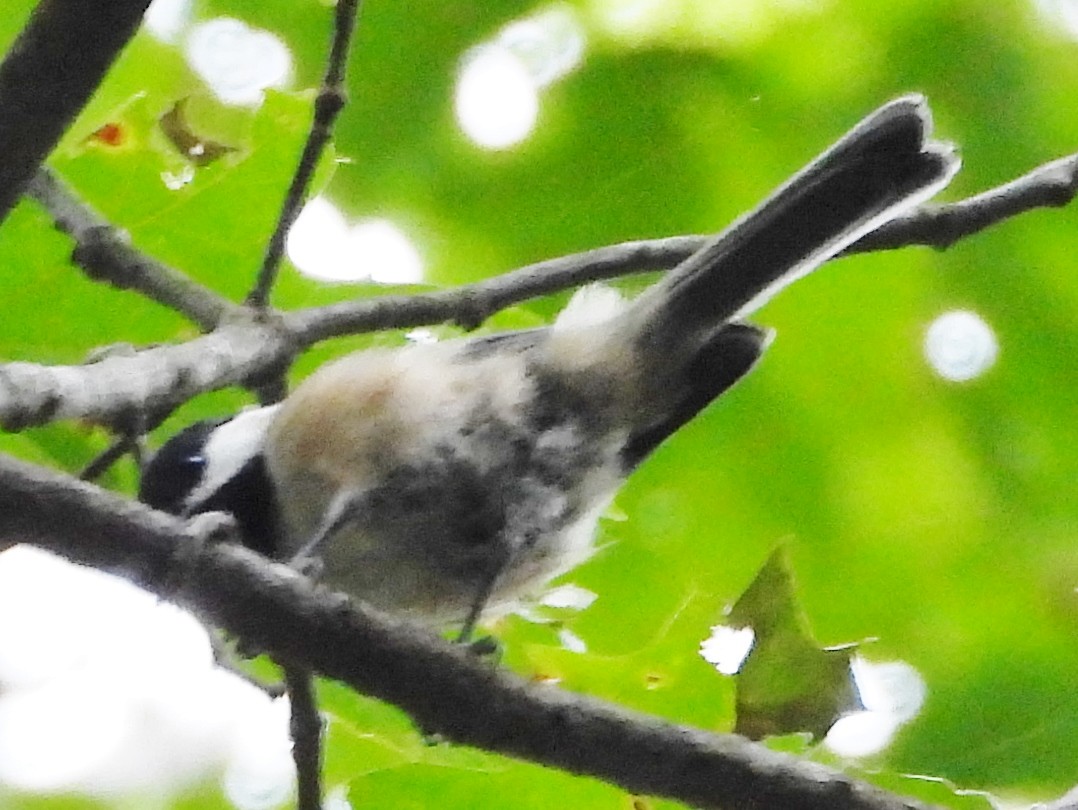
(229, 448)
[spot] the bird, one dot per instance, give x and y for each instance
(449, 481)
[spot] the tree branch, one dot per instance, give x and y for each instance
(66, 47)
(122, 391)
(306, 731)
(327, 107)
(470, 305)
(248, 349)
(1050, 185)
(105, 253)
(444, 687)
(120, 447)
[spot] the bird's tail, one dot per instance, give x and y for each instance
(687, 346)
(880, 169)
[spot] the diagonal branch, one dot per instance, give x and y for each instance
(104, 252)
(327, 107)
(120, 447)
(66, 47)
(445, 688)
(470, 305)
(1050, 185)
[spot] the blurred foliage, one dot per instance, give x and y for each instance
(937, 519)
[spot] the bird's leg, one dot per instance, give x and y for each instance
(342, 509)
(484, 646)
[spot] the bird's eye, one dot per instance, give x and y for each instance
(196, 460)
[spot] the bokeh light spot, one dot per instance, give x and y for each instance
(960, 346)
(317, 243)
(549, 43)
(1060, 15)
(236, 61)
(892, 693)
(497, 93)
(105, 690)
(496, 102)
(166, 19)
(322, 245)
(385, 253)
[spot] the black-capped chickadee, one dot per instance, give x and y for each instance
(444, 480)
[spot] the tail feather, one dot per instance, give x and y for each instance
(883, 167)
(689, 347)
(721, 361)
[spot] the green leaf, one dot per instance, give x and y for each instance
(787, 683)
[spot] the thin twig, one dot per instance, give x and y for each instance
(306, 730)
(120, 447)
(1051, 185)
(445, 688)
(47, 76)
(470, 305)
(327, 106)
(106, 254)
